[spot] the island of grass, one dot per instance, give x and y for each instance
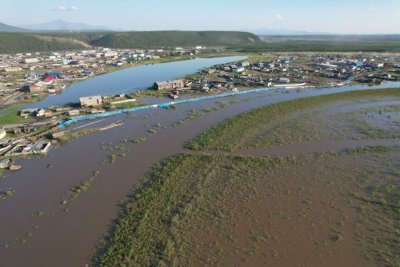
(243, 196)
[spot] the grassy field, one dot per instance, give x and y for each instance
(326, 208)
(10, 115)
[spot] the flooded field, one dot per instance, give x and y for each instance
(320, 208)
(59, 215)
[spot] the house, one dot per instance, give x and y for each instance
(49, 79)
(169, 85)
(87, 72)
(91, 101)
(35, 88)
(31, 60)
(39, 147)
(239, 69)
(12, 69)
(110, 54)
(56, 74)
(73, 112)
(201, 86)
(40, 112)
(211, 71)
(25, 113)
(28, 129)
(2, 133)
(284, 80)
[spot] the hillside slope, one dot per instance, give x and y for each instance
(8, 28)
(41, 42)
(21, 42)
(325, 43)
(175, 38)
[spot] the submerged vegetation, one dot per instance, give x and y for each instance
(210, 208)
(82, 187)
(270, 125)
(8, 193)
(173, 192)
(71, 135)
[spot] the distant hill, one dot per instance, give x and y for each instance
(64, 26)
(27, 42)
(48, 41)
(284, 32)
(8, 28)
(148, 39)
(325, 43)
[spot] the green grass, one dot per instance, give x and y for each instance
(150, 92)
(9, 115)
(129, 105)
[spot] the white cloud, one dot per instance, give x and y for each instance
(66, 8)
(279, 17)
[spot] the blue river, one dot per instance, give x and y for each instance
(130, 80)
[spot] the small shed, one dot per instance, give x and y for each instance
(91, 101)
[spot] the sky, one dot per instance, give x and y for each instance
(333, 16)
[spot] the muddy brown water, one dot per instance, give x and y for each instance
(59, 238)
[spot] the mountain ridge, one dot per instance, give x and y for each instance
(9, 28)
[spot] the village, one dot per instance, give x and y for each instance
(299, 71)
(43, 77)
(29, 77)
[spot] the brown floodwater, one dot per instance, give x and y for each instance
(35, 228)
